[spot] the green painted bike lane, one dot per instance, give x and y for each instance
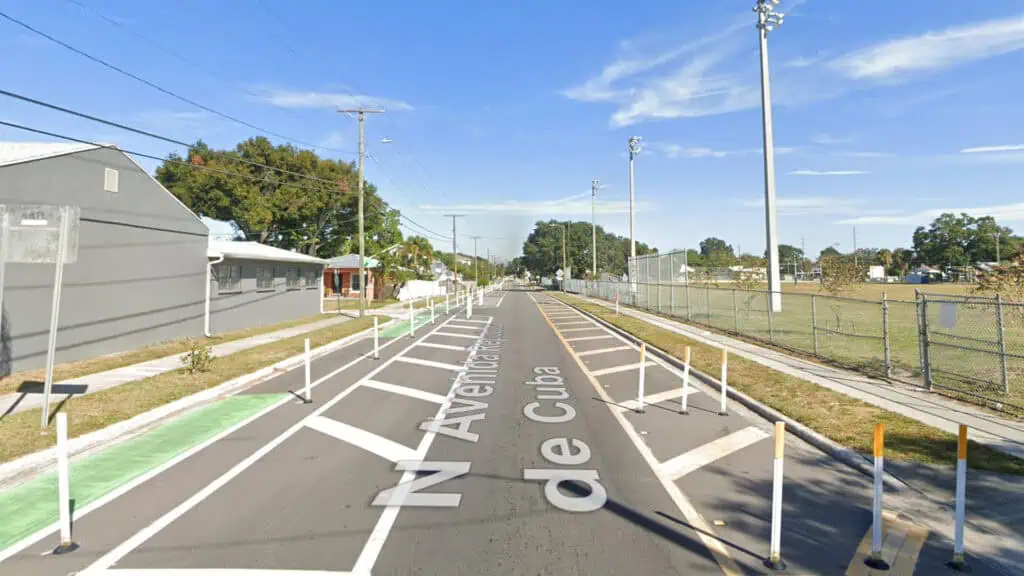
(32, 506)
(401, 328)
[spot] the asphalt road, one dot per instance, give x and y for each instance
(500, 444)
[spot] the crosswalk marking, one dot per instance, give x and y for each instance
(622, 368)
(454, 335)
(372, 443)
(685, 463)
(430, 363)
(405, 391)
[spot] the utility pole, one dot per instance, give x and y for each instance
(594, 184)
(854, 246)
(476, 262)
(767, 20)
(634, 150)
(455, 252)
(565, 270)
(361, 112)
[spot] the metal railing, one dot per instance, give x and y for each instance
(970, 347)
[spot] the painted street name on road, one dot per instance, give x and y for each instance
(561, 451)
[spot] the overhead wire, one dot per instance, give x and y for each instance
(149, 83)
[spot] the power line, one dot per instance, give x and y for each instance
(152, 85)
(208, 71)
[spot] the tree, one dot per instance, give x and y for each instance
(302, 202)
(902, 259)
(788, 254)
(828, 252)
(885, 258)
(542, 249)
(839, 276)
(959, 240)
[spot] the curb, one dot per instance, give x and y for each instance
(830, 447)
(98, 438)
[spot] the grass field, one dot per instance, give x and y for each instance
(845, 420)
(963, 342)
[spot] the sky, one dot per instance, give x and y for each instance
(886, 114)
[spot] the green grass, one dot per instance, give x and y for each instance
(846, 420)
(20, 433)
(13, 382)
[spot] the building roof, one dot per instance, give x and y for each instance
(257, 251)
(350, 261)
(18, 152)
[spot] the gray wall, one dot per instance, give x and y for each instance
(251, 307)
(140, 274)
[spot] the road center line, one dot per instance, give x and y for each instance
(705, 454)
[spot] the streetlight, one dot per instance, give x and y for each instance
(594, 185)
(767, 20)
(635, 146)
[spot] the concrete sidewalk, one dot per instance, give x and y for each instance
(934, 410)
(91, 383)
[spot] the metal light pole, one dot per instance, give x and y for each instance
(634, 150)
(455, 253)
(594, 184)
(362, 112)
(767, 20)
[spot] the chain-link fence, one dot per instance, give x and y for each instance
(967, 346)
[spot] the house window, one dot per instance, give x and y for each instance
(264, 277)
(229, 279)
(292, 280)
(354, 281)
(312, 278)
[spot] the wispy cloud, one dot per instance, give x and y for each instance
(170, 119)
(990, 149)
(679, 151)
(827, 172)
(826, 140)
(794, 206)
(576, 204)
(298, 99)
(1002, 213)
(933, 51)
(865, 154)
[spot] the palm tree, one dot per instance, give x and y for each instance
(886, 258)
(419, 254)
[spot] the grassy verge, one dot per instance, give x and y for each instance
(20, 433)
(846, 420)
(333, 305)
(13, 382)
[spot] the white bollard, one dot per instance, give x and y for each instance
(63, 486)
(686, 381)
(961, 497)
(725, 382)
(616, 303)
(412, 321)
(640, 383)
(431, 309)
(875, 559)
(774, 560)
(376, 340)
(469, 307)
(446, 309)
(309, 393)
(481, 299)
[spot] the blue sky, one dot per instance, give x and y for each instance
(886, 113)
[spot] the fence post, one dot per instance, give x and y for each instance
(771, 321)
(707, 298)
(886, 347)
(814, 322)
(657, 259)
(735, 313)
(1002, 343)
(688, 317)
(920, 328)
(926, 352)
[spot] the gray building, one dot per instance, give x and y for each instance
(143, 272)
(251, 281)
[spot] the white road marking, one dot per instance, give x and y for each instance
(372, 443)
(405, 391)
(683, 464)
(580, 338)
(431, 363)
(580, 329)
(560, 324)
(485, 322)
(442, 346)
(214, 572)
(371, 551)
(125, 488)
(454, 335)
(500, 300)
(656, 398)
(114, 556)
(604, 350)
(621, 368)
(463, 327)
(702, 529)
(560, 315)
